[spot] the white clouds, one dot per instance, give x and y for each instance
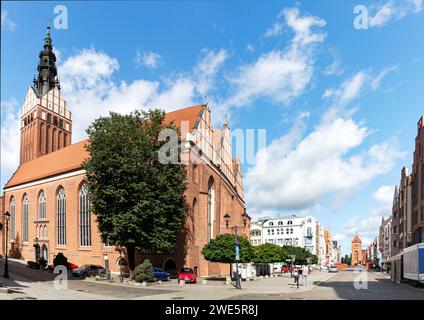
(394, 10)
(302, 26)
(149, 59)
(296, 172)
(375, 83)
(280, 75)
(10, 138)
(348, 91)
(206, 69)
(335, 67)
(351, 88)
(384, 195)
(6, 22)
(87, 70)
(275, 74)
(275, 30)
(367, 228)
(88, 85)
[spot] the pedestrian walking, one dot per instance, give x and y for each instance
(305, 274)
(296, 276)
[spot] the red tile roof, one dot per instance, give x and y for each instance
(189, 114)
(60, 161)
(70, 158)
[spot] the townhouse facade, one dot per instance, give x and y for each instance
(401, 235)
(385, 242)
(304, 232)
(417, 220)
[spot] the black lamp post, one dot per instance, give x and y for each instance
(6, 262)
(227, 220)
(36, 249)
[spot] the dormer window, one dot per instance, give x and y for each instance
(271, 223)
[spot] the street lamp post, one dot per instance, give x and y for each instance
(227, 220)
(6, 262)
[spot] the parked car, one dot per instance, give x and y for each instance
(159, 274)
(187, 275)
(89, 270)
(286, 269)
(333, 269)
(70, 266)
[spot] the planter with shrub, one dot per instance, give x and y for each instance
(143, 272)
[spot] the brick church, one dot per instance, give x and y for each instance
(47, 195)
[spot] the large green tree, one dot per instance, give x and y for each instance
(222, 249)
(301, 255)
(269, 253)
(139, 202)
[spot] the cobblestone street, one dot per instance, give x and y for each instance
(31, 284)
(376, 286)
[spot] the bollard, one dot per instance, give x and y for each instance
(182, 282)
(204, 281)
(144, 284)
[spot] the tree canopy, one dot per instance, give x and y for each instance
(301, 255)
(139, 202)
(269, 253)
(222, 249)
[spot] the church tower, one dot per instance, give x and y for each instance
(46, 123)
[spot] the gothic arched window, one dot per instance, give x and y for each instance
(211, 208)
(42, 205)
(12, 218)
(25, 222)
(61, 217)
(84, 217)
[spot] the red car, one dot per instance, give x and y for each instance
(286, 269)
(187, 275)
(72, 266)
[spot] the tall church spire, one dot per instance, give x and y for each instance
(47, 72)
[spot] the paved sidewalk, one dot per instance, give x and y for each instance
(33, 284)
(24, 288)
(271, 286)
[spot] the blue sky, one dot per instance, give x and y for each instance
(339, 105)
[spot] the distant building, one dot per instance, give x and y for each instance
(372, 252)
(401, 234)
(384, 242)
(286, 231)
(321, 246)
(357, 251)
(417, 225)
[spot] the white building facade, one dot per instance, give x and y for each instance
(286, 231)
